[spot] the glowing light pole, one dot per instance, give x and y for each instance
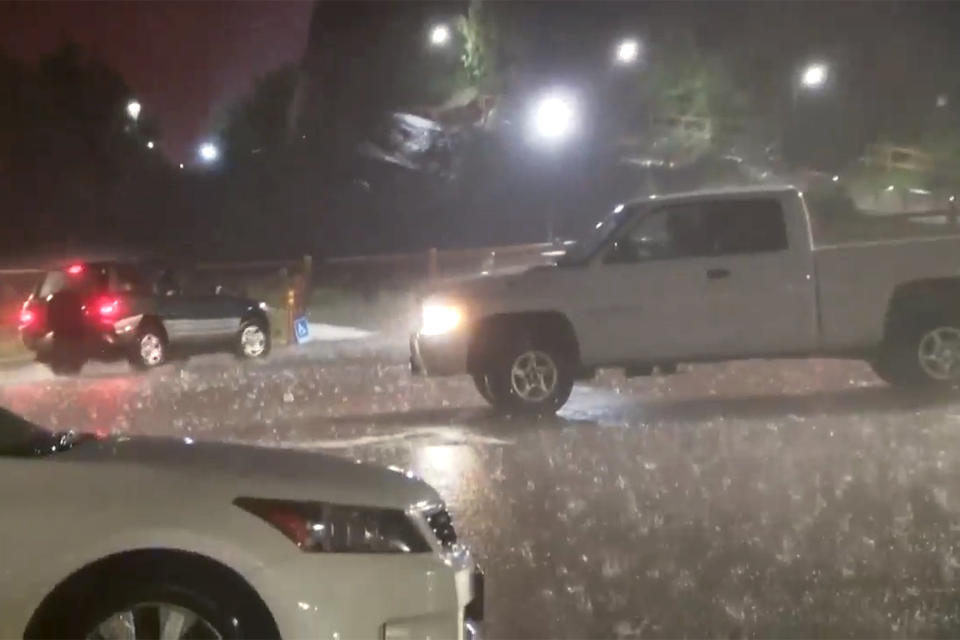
(439, 35)
(133, 110)
(553, 120)
(627, 52)
(208, 152)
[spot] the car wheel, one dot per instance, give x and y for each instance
(924, 353)
(66, 360)
(135, 608)
(253, 340)
(530, 376)
(149, 349)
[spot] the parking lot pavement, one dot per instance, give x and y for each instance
(758, 498)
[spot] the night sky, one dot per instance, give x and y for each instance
(184, 59)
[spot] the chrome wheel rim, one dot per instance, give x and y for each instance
(533, 376)
(154, 620)
(151, 349)
(253, 341)
(939, 353)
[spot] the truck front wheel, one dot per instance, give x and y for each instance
(529, 377)
(923, 354)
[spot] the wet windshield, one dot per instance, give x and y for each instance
(587, 247)
(660, 298)
(19, 437)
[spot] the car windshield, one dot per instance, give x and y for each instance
(589, 245)
(654, 306)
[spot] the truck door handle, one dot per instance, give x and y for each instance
(718, 273)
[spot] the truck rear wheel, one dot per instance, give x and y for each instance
(529, 376)
(923, 353)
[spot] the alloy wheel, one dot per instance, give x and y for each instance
(253, 341)
(151, 349)
(160, 620)
(533, 376)
(939, 353)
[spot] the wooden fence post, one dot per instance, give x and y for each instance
(432, 263)
(291, 315)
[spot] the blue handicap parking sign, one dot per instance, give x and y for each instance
(301, 329)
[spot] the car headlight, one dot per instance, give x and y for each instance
(440, 318)
(336, 528)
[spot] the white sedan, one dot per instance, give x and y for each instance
(159, 538)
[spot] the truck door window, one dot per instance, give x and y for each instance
(676, 231)
(754, 225)
(702, 229)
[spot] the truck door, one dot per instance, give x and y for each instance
(704, 279)
(759, 282)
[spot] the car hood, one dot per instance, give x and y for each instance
(237, 469)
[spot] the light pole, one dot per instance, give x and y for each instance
(553, 117)
(814, 75)
(439, 35)
(553, 120)
(133, 109)
(627, 51)
(208, 152)
(811, 78)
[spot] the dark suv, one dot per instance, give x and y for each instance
(136, 310)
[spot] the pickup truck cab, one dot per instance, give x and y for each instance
(698, 277)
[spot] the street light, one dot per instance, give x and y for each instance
(814, 75)
(627, 51)
(439, 35)
(133, 110)
(553, 117)
(150, 144)
(208, 152)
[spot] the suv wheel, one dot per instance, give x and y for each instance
(150, 349)
(924, 353)
(530, 377)
(66, 360)
(253, 340)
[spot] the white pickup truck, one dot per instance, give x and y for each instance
(705, 276)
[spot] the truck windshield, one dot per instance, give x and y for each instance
(586, 247)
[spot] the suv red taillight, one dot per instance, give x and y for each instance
(104, 309)
(109, 308)
(29, 317)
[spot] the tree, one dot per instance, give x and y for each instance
(73, 166)
(260, 122)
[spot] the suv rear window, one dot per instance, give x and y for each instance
(90, 278)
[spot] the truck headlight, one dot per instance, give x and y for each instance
(440, 318)
(336, 528)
